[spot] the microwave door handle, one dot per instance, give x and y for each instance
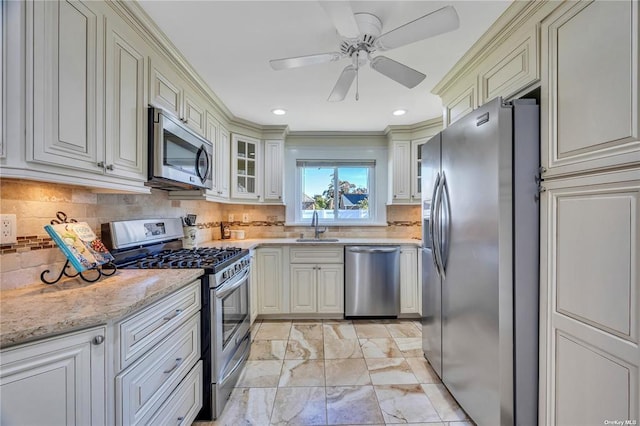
(203, 176)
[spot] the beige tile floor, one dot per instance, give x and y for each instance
(339, 373)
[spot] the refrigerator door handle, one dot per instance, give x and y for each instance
(434, 195)
(437, 248)
(446, 208)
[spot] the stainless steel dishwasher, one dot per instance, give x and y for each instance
(372, 281)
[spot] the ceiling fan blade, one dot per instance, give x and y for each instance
(396, 71)
(303, 61)
(432, 24)
(343, 84)
(342, 17)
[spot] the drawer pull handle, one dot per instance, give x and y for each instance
(180, 420)
(175, 314)
(176, 365)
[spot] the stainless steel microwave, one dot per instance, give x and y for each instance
(178, 157)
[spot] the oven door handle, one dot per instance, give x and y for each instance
(226, 289)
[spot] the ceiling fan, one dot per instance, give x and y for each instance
(361, 34)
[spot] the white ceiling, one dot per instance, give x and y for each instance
(230, 43)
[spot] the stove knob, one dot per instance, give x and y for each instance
(225, 275)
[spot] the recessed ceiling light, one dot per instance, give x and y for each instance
(279, 111)
(400, 112)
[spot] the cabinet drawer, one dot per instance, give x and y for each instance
(142, 388)
(137, 334)
(182, 406)
(317, 254)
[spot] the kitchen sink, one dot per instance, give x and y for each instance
(317, 240)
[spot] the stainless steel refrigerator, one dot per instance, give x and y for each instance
(480, 261)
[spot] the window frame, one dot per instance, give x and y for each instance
(336, 164)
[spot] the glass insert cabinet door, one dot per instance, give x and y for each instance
(246, 163)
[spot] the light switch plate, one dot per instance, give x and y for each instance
(245, 217)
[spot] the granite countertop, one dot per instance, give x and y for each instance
(40, 310)
(255, 242)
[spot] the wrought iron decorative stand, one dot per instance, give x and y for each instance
(106, 270)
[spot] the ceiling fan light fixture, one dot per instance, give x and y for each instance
(399, 112)
(279, 111)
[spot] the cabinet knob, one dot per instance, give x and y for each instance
(279, 197)
(395, 196)
(109, 167)
(180, 420)
(100, 164)
(98, 340)
(257, 196)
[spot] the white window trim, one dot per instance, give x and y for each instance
(371, 220)
(337, 151)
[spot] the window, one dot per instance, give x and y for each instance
(340, 191)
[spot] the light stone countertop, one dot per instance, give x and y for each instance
(41, 310)
(256, 242)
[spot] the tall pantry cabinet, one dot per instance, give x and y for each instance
(590, 217)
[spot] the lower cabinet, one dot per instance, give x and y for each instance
(253, 285)
(410, 286)
(272, 298)
(58, 381)
(161, 377)
(317, 288)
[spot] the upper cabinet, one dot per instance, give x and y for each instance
(246, 166)
(219, 138)
(171, 93)
(405, 161)
(589, 116)
(85, 97)
(273, 169)
(505, 62)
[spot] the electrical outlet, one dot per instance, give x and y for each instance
(245, 217)
(231, 218)
(8, 228)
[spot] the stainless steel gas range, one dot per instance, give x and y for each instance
(157, 244)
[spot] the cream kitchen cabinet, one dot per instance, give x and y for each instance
(218, 135)
(60, 380)
(400, 182)
(589, 303)
(253, 285)
(410, 286)
(85, 96)
(167, 90)
(590, 122)
(246, 168)
(405, 174)
(157, 349)
(317, 287)
(273, 170)
(273, 291)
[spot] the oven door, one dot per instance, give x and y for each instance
(179, 155)
(230, 315)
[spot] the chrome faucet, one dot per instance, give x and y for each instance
(315, 223)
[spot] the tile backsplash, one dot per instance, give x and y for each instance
(36, 203)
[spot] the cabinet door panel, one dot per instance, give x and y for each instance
(330, 288)
(67, 66)
(590, 74)
(194, 113)
(410, 302)
(56, 381)
(590, 304)
(164, 90)
(303, 288)
(401, 185)
(273, 170)
(608, 380)
(126, 124)
(224, 165)
(270, 281)
(462, 104)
